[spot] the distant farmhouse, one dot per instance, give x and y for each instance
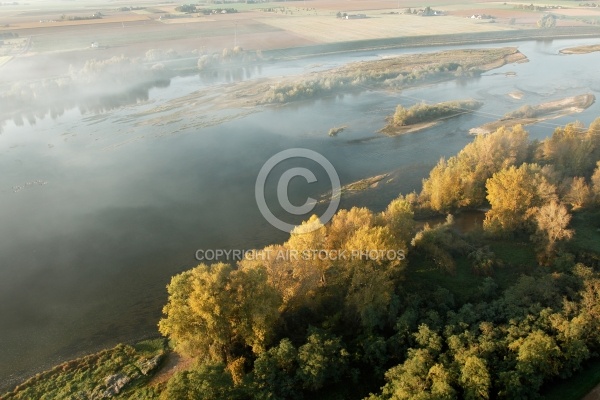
(351, 16)
(356, 16)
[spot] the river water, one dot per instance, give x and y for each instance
(98, 213)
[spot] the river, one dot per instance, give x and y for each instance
(98, 212)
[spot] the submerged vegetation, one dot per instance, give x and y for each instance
(377, 306)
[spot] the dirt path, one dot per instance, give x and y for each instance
(173, 363)
(594, 394)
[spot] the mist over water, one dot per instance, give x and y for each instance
(98, 211)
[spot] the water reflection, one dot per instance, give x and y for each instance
(229, 74)
(54, 101)
(86, 103)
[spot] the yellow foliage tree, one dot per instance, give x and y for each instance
(212, 310)
(512, 193)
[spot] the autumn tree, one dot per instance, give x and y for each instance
(212, 310)
(512, 193)
(399, 218)
(579, 193)
(308, 238)
(571, 149)
(552, 220)
(345, 223)
(442, 190)
(376, 261)
(460, 181)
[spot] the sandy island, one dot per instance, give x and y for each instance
(581, 49)
(528, 115)
(517, 94)
(358, 186)
(430, 115)
(392, 73)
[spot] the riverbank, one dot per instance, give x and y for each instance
(572, 32)
(528, 115)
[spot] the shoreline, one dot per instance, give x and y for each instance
(458, 39)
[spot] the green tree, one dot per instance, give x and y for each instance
(419, 377)
(475, 379)
(538, 357)
(547, 21)
(204, 382)
(322, 360)
(596, 183)
(274, 374)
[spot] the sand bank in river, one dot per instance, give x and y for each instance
(423, 116)
(581, 49)
(528, 115)
(392, 73)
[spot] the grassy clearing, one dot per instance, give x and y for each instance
(587, 234)
(463, 284)
(514, 253)
(577, 386)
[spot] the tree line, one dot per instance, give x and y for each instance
(271, 328)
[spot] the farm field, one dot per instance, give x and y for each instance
(327, 29)
(60, 33)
